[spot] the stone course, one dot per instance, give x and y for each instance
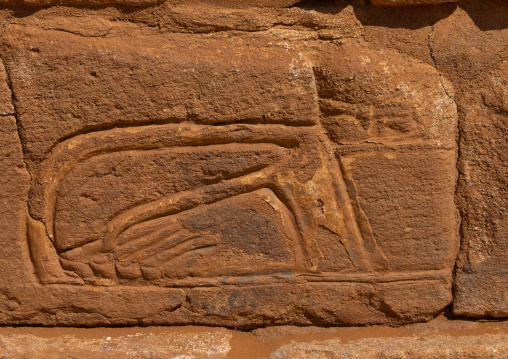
(255, 163)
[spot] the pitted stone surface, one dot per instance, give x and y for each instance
(237, 170)
(440, 338)
(247, 166)
(410, 2)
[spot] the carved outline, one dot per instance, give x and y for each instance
(63, 159)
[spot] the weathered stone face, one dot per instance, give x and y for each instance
(482, 281)
(182, 164)
(260, 3)
(280, 178)
(410, 2)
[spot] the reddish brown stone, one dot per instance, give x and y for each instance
(478, 66)
(470, 58)
(481, 287)
(410, 2)
(258, 182)
(239, 166)
(147, 3)
(440, 338)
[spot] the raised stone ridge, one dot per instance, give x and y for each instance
(144, 3)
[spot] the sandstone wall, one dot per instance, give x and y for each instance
(249, 163)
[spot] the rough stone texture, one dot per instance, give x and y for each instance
(242, 3)
(147, 3)
(184, 343)
(259, 182)
(440, 338)
(474, 60)
(246, 166)
(481, 287)
(439, 346)
(482, 281)
(410, 2)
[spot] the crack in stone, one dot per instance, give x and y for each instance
(15, 114)
(460, 235)
(429, 44)
(463, 244)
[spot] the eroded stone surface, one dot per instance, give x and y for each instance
(186, 343)
(235, 171)
(238, 3)
(410, 2)
(148, 3)
(297, 171)
(481, 287)
(439, 346)
(470, 59)
(482, 280)
(440, 338)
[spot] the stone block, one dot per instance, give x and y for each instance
(481, 286)
(410, 2)
(225, 180)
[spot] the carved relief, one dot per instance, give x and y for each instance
(291, 169)
(188, 184)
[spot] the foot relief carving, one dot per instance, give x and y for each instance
(290, 170)
(252, 163)
(310, 169)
